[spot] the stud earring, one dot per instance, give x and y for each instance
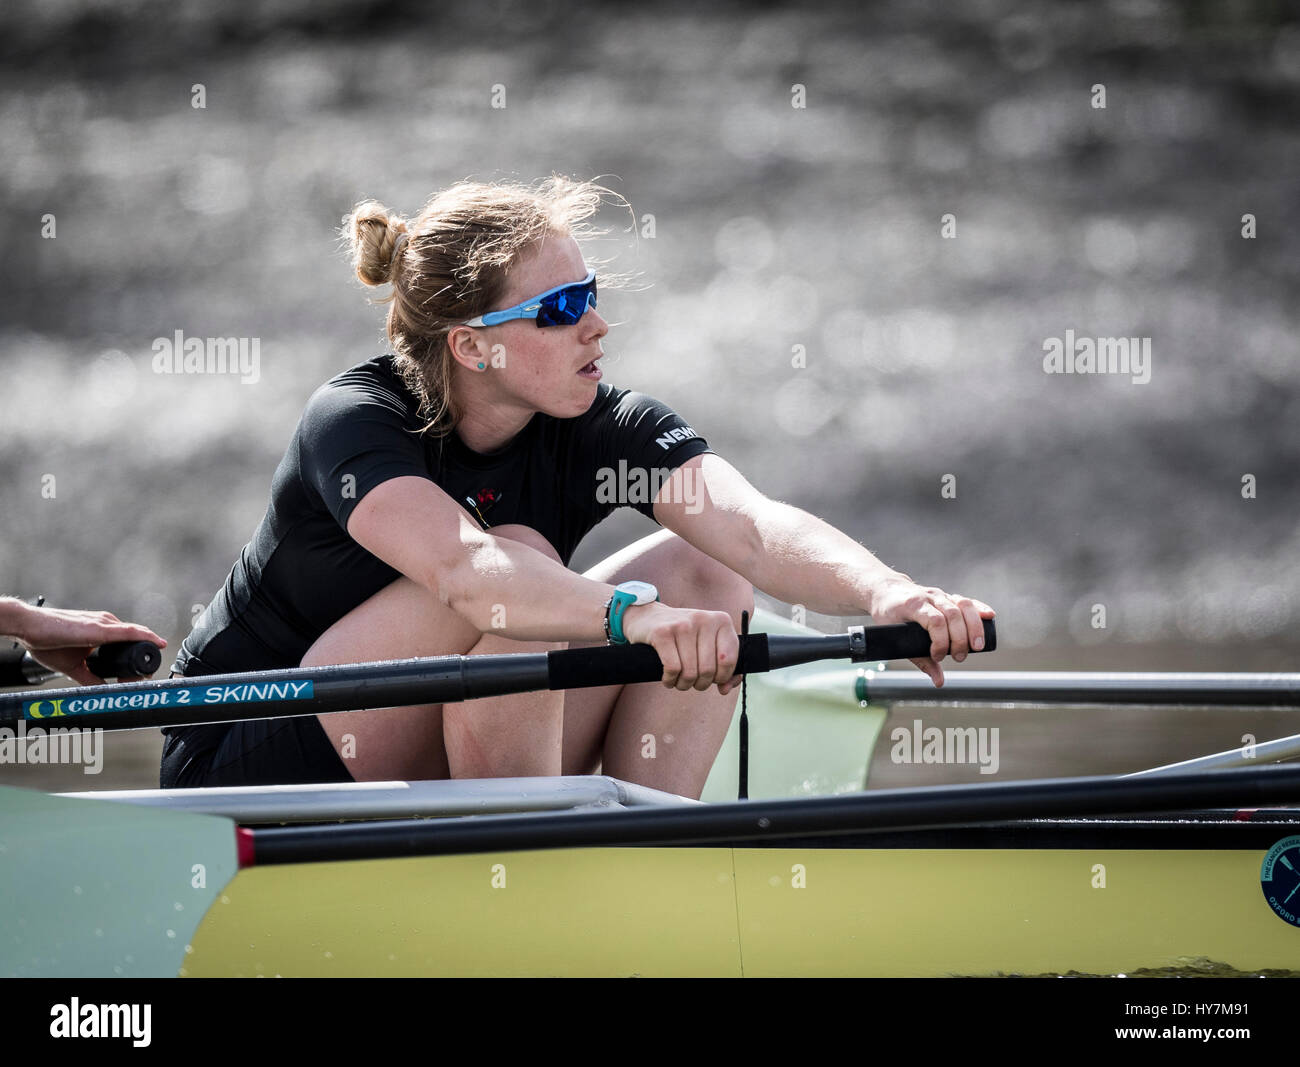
(481, 366)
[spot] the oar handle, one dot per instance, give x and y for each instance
(602, 665)
(117, 659)
(582, 668)
(908, 640)
(125, 659)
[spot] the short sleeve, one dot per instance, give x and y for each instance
(639, 442)
(353, 437)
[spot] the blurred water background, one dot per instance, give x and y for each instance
(760, 231)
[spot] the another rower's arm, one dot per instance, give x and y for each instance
(48, 628)
(800, 559)
(12, 612)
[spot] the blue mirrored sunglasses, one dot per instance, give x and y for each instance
(562, 306)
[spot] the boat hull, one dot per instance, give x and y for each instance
(891, 911)
(109, 890)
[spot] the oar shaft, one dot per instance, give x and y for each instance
(1083, 687)
(355, 687)
(255, 695)
(761, 821)
(434, 680)
(1282, 748)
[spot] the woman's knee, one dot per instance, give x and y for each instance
(403, 619)
(526, 535)
(492, 642)
(732, 592)
(701, 581)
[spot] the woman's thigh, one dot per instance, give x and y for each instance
(401, 621)
(509, 736)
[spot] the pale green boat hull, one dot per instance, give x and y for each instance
(94, 889)
(808, 733)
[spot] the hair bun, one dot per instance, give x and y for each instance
(373, 235)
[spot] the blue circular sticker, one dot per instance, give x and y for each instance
(1280, 879)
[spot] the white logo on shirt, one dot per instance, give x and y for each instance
(673, 437)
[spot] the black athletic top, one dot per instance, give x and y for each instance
(302, 572)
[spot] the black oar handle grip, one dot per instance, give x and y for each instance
(581, 668)
(909, 640)
(125, 659)
(11, 666)
(118, 659)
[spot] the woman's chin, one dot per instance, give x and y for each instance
(584, 394)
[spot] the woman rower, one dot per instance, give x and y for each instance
(431, 499)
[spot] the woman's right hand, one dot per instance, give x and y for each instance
(698, 648)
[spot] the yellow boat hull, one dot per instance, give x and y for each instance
(754, 912)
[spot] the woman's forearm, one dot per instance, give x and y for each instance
(807, 561)
(496, 584)
(505, 587)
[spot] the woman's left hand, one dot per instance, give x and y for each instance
(955, 622)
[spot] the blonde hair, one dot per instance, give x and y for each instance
(452, 265)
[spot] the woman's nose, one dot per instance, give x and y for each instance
(593, 324)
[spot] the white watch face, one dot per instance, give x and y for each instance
(644, 592)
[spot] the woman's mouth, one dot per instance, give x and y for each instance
(591, 372)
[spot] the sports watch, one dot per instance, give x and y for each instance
(625, 595)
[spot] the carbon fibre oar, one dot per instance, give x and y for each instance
(1086, 687)
(433, 680)
(761, 822)
(1281, 748)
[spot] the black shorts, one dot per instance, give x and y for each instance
(292, 751)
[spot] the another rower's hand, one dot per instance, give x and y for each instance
(61, 639)
(72, 662)
(955, 622)
(697, 648)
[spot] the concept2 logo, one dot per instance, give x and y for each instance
(245, 693)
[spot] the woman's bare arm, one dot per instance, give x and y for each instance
(416, 528)
(798, 558)
(501, 586)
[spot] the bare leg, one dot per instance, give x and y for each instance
(645, 733)
(514, 736)
(642, 733)
(499, 737)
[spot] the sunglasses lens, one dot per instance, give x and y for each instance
(567, 306)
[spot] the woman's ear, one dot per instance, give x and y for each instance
(464, 344)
